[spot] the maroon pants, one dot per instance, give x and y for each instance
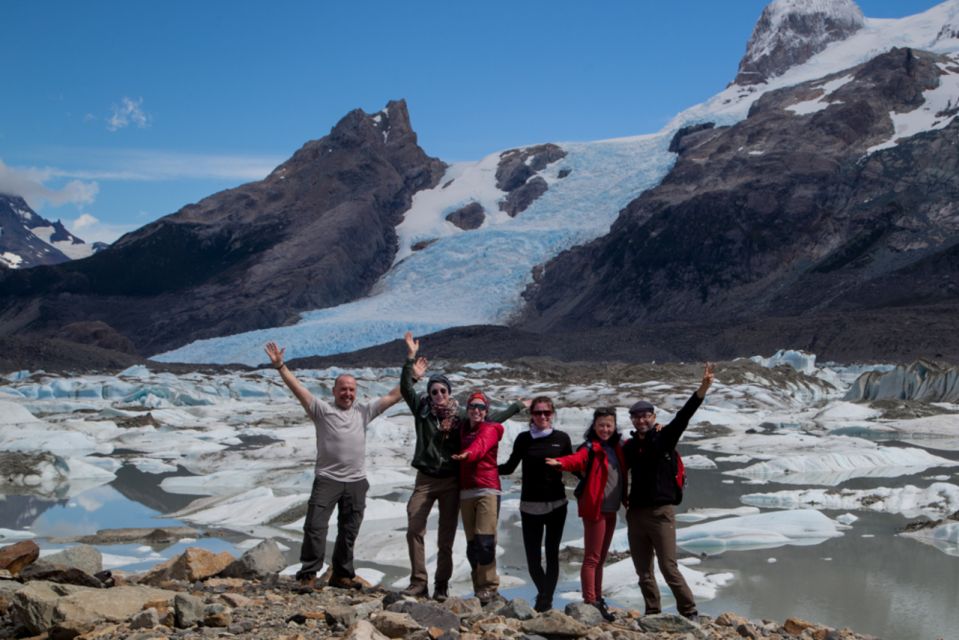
(598, 534)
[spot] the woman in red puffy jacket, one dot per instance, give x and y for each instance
(602, 490)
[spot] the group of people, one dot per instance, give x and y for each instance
(455, 458)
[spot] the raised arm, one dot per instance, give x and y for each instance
(674, 430)
(275, 353)
(413, 369)
(510, 411)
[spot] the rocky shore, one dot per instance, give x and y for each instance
(201, 594)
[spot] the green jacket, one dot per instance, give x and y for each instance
(434, 448)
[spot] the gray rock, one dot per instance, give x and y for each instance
(217, 615)
(554, 624)
(463, 607)
(518, 609)
(262, 560)
(469, 217)
(670, 623)
(42, 605)
(366, 609)
(585, 613)
(394, 624)
(342, 615)
(146, 619)
(188, 610)
(60, 574)
(428, 615)
(519, 199)
(363, 630)
(83, 557)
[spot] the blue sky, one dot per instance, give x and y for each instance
(115, 114)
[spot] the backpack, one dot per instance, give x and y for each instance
(678, 472)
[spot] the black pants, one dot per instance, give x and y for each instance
(533, 527)
(350, 500)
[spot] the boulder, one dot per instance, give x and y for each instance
(427, 615)
(340, 615)
(84, 557)
(363, 630)
(670, 623)
(39, 606)
(15, 557)
(585, 613)
(188, 610)
(262, 560)
(191, 565)
(146, 619)
(517, 609)
(469, 217)
(554, 624)
(395, 625)
(62, 575)
(217, 615)
(464, 607)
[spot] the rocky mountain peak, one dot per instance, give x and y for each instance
(28, 239)
(789, 32)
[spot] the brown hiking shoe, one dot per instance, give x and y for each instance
(416, 591)
(342, 582)
(306, 585)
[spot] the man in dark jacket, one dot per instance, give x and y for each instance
(656, 487)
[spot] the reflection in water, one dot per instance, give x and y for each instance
(19, 512)
(145, 488)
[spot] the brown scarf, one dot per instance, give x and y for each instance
(445, 414)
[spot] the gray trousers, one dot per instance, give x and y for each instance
(350, 500)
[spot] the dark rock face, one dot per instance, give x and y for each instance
(318, 231)
(469, 217)
(516, 175)
(519, 199)
(781, 215)
(787, 34)
(20, 246)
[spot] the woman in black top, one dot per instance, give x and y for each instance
(543, 496)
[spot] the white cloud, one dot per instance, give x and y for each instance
(128, 112)
(28, 183)
(153, 165)
(90, 229)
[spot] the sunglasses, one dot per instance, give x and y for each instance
(439, 391)
(546, 413)
(479, 406)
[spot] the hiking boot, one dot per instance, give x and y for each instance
(344, 582)
(543, 603)
(441, 591)
(600, 605)
(692, 615)
(306, 584)
(416, 590)
(486, 596)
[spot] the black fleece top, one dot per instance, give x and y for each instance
(541, 482)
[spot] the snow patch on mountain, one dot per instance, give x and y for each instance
(476, 277)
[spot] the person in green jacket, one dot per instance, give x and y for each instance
(436, 418)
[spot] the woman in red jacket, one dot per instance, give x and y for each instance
(603, 489)
(480, 494)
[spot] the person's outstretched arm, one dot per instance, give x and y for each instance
(275, 354)
(413, 369)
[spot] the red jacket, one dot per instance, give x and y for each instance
(591, 501)
(480, 470)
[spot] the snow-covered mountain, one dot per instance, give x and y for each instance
(27, 239)
(480, 274)
(419, 245)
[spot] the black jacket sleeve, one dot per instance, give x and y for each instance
(519, 450)
(669, 436)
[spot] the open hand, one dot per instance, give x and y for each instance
(419, 367)
(461, 456)
(275, 353)
(412, 346)
(553, 462)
